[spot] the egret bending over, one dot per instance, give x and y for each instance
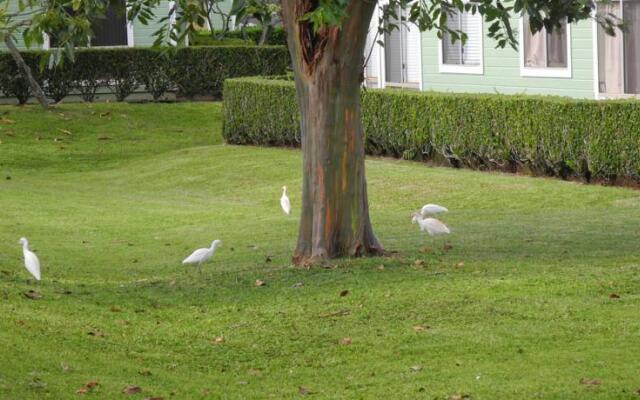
(284, 201)
(432, 209)
(31, 261)
(201, 255)
(432, 226)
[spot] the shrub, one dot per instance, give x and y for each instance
(192, 70)
(556, 136)
(277, 35)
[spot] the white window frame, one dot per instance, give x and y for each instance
(46, 41)
(545, 72)
(463, 68)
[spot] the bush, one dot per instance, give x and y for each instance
(553, 136)
(277, 35)
(193, 71)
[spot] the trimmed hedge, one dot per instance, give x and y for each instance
(277, 36)
(191, 71)
(586, 139)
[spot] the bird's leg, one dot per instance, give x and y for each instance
(200, 267)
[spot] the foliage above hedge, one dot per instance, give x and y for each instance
(569, 138)
(276, 36)
(192, 71)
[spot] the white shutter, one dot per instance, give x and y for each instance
(413, 54)
(373, 64)
(472, 49)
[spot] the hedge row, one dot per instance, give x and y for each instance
(277, 36)
(192, 71)
(586, 139)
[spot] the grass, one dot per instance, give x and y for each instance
(518, 308)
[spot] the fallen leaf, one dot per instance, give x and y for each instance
(420, 328)
(91, 384)
(447, 247)
(64, 367)
(340, 313)
(426, 250)
(105, 114)
(590, 382)
(415, 368)
(303, 391)
(66, 132)
(95, 333)
(254, 372)
(345, 341)
(145, 372)
(614, 296)
(217, 340)
(380, 267)
(419, 263)
(344, 293)
(122, 322)
(268, 259)
(132, 389)
(6, 121)
(459, 397)
(260, 282)
(298, 285)
(115, 309)
(82, 390)
(33, 295)
(154, 398)
(461, 264)
(104, 138)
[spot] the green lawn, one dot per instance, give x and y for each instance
(112, 197)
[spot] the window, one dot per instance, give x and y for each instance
(545, 54)
(462, 58)
(619, 55)
(111, 30)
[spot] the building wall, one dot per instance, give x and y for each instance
(502, 69)
(142, 34)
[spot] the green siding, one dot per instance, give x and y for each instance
(142, 34)
(502, 69)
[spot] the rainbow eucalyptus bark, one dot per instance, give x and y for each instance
(327, 67)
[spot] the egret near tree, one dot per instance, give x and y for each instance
(432, 209)
(202, 255)
(31, 261)
(285, 203)
(432, 226)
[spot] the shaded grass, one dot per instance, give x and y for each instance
(518, 308)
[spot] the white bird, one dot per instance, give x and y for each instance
(432, 209)
(432, 226)
(284, 201)
(31, 261)
(201, 255)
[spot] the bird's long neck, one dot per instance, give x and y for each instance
(25, 246)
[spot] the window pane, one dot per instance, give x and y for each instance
(557, 48)
(472, 49)
(452, 52)
(111, 30)
(535, 52)
(631, 13)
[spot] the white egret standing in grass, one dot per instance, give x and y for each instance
(284, 201)
(432, 209)
(201, 255)
(31, 261)
(432, 226)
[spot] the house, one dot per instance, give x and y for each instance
(579, 61)
(115, 31)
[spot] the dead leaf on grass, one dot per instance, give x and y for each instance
(614, 296)
(217, 340)
(260, 283)
(95, 333)
(447, 247)
(345, 341)
(122, 322)
(33, 295)
(131, 389)
(420, 328)
(419, 263)
(590, 382)
(115, 309)
(65, 131)
(303, 391)
(344, 293)
(415, 368)
(6, 121)
(87, 387)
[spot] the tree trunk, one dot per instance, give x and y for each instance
(327, 68)
(266, 28)
(26, 72)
